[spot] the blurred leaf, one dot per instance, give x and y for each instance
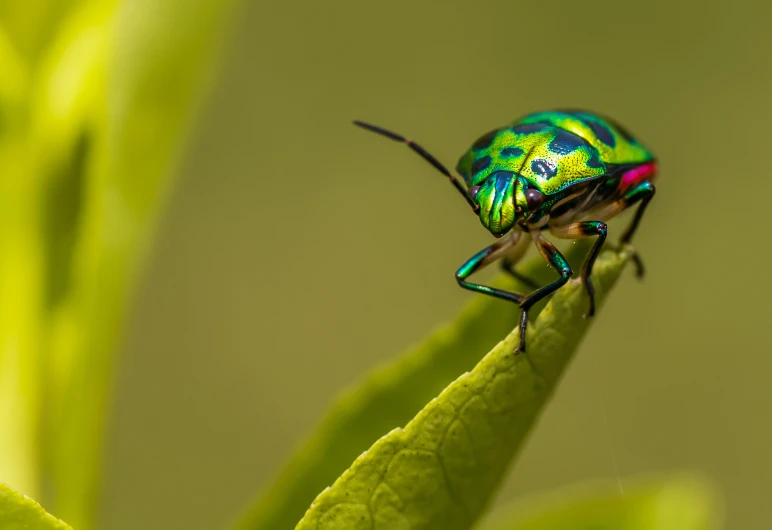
(116, 99)
(20, 274)
(68, 112)
(389, 397)
(442, 469)
(18, 512)
(31, 23)
(672, 503)
(12, 89)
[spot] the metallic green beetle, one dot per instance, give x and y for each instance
(566, 171)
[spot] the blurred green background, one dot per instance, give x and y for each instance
(292, 238)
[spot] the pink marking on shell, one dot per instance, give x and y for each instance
(637, 175)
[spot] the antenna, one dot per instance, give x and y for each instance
(424, 154)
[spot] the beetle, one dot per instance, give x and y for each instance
(565, 171)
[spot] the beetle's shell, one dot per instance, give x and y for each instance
(553, 150)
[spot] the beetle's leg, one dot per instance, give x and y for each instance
(483, 258)
(559, 263)
(579, 230)
(510, 269)
(512, 257)
(643, 192)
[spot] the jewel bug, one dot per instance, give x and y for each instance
(565, 171)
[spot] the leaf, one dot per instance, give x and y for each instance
(673, 503)
(19, 285)
(389, 397)
(19, 512)
(31, 23)
(442, 469)
(116, 98)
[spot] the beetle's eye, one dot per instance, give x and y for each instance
(534, 199)
(473, 192)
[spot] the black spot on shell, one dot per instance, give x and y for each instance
(624, 132)
(485, 140)
(594, 160)
(602, 133)
(512, 152)
(566, 142)
(481, 164)
(528, 128)
(543, 168)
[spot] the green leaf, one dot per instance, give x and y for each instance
(391, 396)
(18, 512)
(442, 469)
(19, 283)
(32, 23)
(673, 503)
(114, 98)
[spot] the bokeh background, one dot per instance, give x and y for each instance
(298, 252)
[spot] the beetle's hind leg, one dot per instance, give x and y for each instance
(579, 230)
(642, 193)
(510, 269)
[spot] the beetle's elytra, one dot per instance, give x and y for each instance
(566, 171)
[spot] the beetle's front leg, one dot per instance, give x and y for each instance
(480, 260)
(579, 230)
(512, 257)
(559, 263)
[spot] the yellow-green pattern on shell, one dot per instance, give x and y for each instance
(552, 150)
(615, 145)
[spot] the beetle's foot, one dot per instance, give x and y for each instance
(640, 270)
(520, 348)
(522, 325)
(591, 311)
(589, 288)
(520, 345)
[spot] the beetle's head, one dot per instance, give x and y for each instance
(504, 200)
